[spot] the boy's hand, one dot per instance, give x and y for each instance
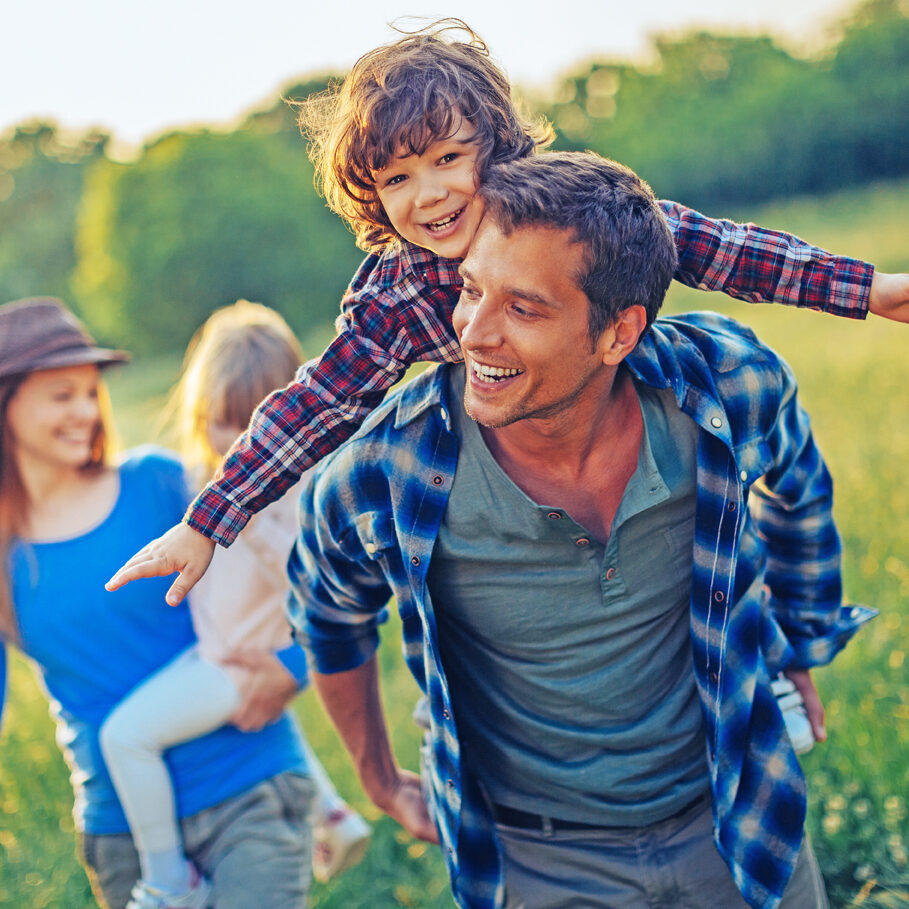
(890, 296)
(181, 549)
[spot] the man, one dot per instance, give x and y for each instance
(604, 537)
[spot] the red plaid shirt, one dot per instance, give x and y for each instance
(397, 311)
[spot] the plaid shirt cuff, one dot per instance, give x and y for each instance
(850, 288)
(216, 517)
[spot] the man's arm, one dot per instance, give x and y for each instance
(792, 506)
(353, 702)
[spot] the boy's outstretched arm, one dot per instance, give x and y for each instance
(181, 549)
(890, 296)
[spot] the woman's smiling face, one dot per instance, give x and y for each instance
(54, 416)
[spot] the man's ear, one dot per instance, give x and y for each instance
(621, 337)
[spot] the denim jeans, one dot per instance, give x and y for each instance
(255, 848)
(673, 864)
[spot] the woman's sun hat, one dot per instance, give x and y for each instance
(41, 333)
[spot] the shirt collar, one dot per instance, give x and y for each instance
(407, 259)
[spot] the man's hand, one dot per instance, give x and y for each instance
(268, 690)
(405, 803)
(801, 678)
(890, 296)
(181, 549)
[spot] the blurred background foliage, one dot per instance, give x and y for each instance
(144, 250)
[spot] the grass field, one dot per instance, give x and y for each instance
(853, 379)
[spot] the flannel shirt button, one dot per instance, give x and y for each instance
(446, 714)
(718, 596)
(437, 480)
(716, 422)
(731, 506)
(443, 413)
(854, 612)
(744, 476)
(415, 560)
(451, 784)
(371, 548)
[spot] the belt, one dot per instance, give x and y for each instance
(527, 820)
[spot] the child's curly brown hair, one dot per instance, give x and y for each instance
(407, 95)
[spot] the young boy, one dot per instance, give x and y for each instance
(399, 152)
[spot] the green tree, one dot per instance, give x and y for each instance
(200, 220)
(41, 179)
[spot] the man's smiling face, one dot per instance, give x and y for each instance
(522, 322)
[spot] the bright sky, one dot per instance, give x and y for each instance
(135, 67)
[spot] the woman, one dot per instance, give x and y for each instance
(67, 515)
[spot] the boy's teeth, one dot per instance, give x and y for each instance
(493, 373)
(438, 225)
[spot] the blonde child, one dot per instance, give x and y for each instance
(239, 355)
(399, 150)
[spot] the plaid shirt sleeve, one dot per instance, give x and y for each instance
(765, 266)
(792, 505)
(396, 313)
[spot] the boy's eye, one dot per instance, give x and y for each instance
(397, 178)
(447, 159)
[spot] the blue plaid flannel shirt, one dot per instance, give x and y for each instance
(766, 589)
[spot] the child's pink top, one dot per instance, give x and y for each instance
(239, 602)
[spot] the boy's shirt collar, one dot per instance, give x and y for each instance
(403, 259)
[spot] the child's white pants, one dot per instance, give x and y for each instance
(187, 698)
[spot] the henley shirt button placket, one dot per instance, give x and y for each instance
(610, 574)
(582, 542)
(554, 516)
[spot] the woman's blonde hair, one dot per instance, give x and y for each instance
(241, 354)
(14, 499)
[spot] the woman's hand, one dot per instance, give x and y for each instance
(181, 549)
(268, 690)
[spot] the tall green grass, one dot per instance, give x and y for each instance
(853, 379)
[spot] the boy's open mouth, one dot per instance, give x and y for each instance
(493, 374)
(447, 221)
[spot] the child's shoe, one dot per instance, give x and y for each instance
(144, 896)
(339, 841)
(794, 715)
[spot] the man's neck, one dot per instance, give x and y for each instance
(580, 460)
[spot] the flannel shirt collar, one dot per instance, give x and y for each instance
(402, 260)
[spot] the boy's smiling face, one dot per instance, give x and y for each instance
(431, 198)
